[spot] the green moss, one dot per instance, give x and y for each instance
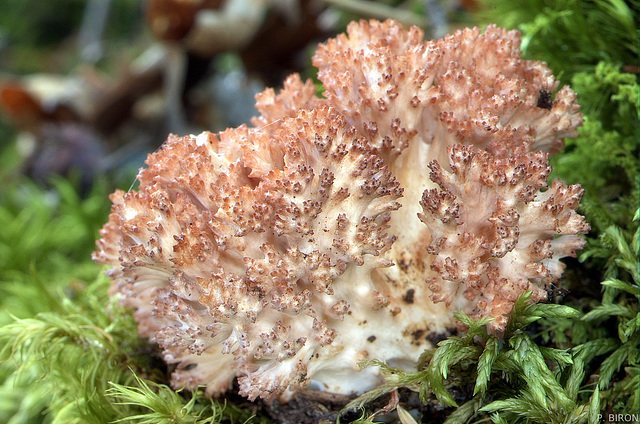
(571, 35)
(45, 243)
(604, 158)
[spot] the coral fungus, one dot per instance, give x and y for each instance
(351, 226)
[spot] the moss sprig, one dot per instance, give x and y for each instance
(162, 405)
(620, 303)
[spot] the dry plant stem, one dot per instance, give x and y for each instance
(376, 10)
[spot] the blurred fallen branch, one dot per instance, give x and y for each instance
(375, 10)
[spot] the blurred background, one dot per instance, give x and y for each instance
(90, 86)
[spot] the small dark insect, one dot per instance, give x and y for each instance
(544, 99)
(555, 293)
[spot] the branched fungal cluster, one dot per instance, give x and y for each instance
(352, 226)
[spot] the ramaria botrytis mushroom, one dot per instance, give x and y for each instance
(351, 226)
